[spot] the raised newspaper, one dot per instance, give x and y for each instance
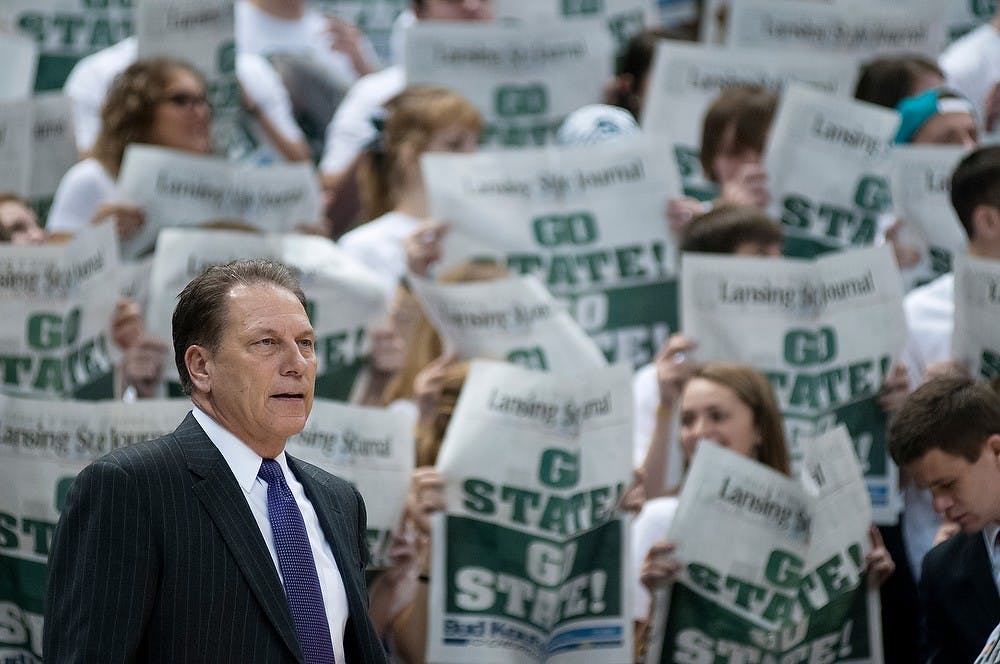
(795, 588)
(865, 29)
(20, 57)
(179, 189)
(686, 78)
(827, 161)
(975, 341)
(67, 30)
(623, 18)
(43, 445)
(523, 78)
(810, 327)
(57, 301)
(370, 447)
(588, 221)
(514, 319)
(344, 301)
(921, 197)
(529, 560)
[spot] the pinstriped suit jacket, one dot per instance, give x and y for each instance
(158, 558)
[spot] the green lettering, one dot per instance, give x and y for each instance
(704, 577)
(520, 498)
(784, 569)
(746, 593)
(49, 376)
(559, 469)
(479, 496)
(8, 531)
(628, 262)
(795, 212)
(554, 517)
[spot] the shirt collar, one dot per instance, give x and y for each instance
(990, 532)
(243, 461)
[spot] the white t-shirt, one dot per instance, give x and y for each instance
(650, 526)
(379, 245)
(88, 83)
(261, 33)
(972, 65)
(930, 319)
(351, 128)
(81, 191)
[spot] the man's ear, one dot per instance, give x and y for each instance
(986, 222)
(993, 445)
(197, 360)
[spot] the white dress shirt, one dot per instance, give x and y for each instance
(245, 463)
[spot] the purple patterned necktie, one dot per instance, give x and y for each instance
(298, 569)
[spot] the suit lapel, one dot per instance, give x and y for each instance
(225, 503)
(980, 577)
(335, 525)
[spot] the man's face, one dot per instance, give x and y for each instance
(259, 382)
(455, 10)
(966, 493)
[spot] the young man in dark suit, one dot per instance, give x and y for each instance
(211, 544)
(947, 436)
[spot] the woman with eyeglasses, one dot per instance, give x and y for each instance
(159, 101)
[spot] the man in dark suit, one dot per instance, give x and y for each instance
(947, 436)
(210, 544)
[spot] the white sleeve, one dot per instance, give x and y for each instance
(264, 86)
(86, 90)
(351, 128)
(81, 191)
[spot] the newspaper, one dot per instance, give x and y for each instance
(514, 319)
(67, 30)
(686, 78)
(180, 189)
(525, 79)
(974, 341)
(623, 18)
(57, 302)
(921, 196)
(43, 445)
(370, 447)
(588, 221)
(863, 29)
(808, 325)
(20, 57)
(795, 587)
(827, 161)
(344, 301)
(528, 562)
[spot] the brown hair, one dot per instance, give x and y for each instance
(130, 107)
(748, 109)
(8, 197)
(974, 182)
(425, 344)
(411, 119)
(754, 390)
(724, 228)
(201, 311)
(954, 414)
(429, 435)
(888, 80)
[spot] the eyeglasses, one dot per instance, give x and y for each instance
(188, 101)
